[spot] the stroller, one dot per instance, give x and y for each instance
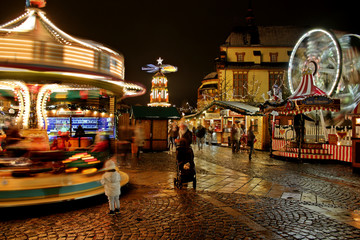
(185, 166)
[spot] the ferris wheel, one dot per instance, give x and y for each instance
(320, 51)
(349, 85)
(334, 61)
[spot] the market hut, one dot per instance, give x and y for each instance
(155, 121)
(222, 114)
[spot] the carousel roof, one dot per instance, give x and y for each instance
(34, 50)
(34, 25)
(307, 88)
(307, 97)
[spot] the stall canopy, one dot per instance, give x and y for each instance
(239, 107)
(144, 112)
(307, 97)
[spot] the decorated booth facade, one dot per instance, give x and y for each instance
(222, 114)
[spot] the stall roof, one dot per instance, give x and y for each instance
(238, 107)
(145, 112)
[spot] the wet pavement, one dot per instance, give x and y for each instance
(235, 199)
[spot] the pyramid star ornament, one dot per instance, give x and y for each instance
(159, 61)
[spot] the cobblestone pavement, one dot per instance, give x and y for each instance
(235, 199)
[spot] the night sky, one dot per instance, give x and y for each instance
(184, 33)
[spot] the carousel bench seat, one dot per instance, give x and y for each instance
(47, 156)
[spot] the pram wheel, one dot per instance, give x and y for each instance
(177, 183)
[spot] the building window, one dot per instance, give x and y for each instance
(255, 125)
(240, 83)
(240, 57)
(273, 57)
(275, 78)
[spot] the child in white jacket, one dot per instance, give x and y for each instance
(111, 182)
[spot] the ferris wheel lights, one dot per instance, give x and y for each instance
(322, 59)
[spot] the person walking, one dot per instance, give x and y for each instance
(250, 141)
(194, 135)
(242, 133)
(200, 136)
(173, 134)
(139, 139)
(111, 182)
(235, 138)
(210, 133)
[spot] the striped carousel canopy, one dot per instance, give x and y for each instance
(306, 98)
(307, 87)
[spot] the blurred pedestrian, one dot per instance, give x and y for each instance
(12, 132)
(79, 133)
(242, 133)
(173, 134)
(200, 136)
(235, 138)
(125, 138)
(210, 134)
(194, 135)
(139, 139)
(184, 132)
(250, 140)
(111, 182)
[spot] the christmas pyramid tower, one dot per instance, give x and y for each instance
(159, 96)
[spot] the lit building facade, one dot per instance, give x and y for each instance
(208, 91)
(253, 63)
(253, 60)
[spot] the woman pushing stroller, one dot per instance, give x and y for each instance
(185, 164)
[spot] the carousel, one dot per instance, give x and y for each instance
(51, 85)
(323, 79)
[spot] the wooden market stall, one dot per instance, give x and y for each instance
(222, 114)
(155, 123)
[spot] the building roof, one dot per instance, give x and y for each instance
(285, 36)
(212, 75)
(145, 112)
(238, 107)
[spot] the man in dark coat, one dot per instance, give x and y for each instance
(250, 140)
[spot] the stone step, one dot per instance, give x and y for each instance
(307, 150)
(304, 156)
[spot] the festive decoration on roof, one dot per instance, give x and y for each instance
(164, 68)
(159, 96)
(35, 3)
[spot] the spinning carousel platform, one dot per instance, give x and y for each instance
(50, 188)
